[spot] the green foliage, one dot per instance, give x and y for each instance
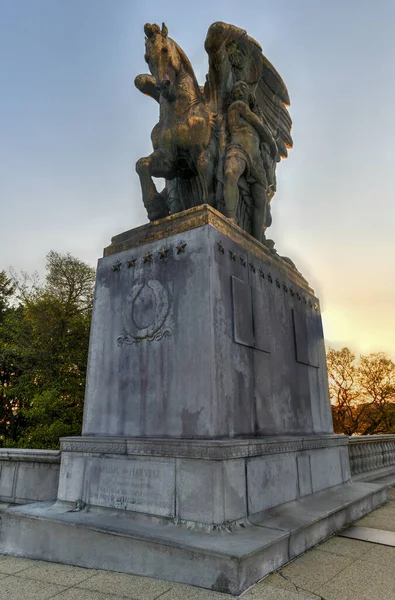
(44, 341)
(362, 392)
(6, 292)
(50, 415)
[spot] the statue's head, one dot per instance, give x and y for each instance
(163, 58)
(236, 55)
(241, 91)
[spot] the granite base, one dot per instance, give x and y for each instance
(202, 482)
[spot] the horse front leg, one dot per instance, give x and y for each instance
(154, 201)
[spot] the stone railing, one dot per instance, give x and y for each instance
(28, 475)
(371, 453)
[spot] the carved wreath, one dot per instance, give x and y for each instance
(152, 331)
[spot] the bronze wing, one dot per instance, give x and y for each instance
(234, 56)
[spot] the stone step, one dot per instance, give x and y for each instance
(225, 561)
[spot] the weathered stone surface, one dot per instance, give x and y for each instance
(272, 481)
(211, 492)
(199, 481)
(326, 469)
(216, 449)
(141, 485)
(226, 562)
(197, 217)
(130, 483)
(28, 475)
(71, 480)
(307, 332)
(234, 355)
(304, 474)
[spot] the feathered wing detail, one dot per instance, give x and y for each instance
(272, 98)
(234, 56)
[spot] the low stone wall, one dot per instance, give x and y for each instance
(28, 475)
(371, 453)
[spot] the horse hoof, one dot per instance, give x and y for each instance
(142, 165)
(155, 216)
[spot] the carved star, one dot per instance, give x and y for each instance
(147, 257)
(243, 261)
(278, 284)
(310, 304)
(131, 262)
(252, 267)
(298, 296)
(292, 292)
(220, 247)
(117, 266)
(262, 274)
(316, 306)
(270, 278)
(163, 253)
(181, 247)
(285, 288)
(232, 255)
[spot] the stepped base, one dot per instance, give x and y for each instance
(208, 483)
(226, 561)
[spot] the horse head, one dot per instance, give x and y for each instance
(163, 58)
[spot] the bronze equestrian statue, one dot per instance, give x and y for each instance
(218, 143)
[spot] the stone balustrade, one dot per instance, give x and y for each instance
(371, 453)
(28, 475)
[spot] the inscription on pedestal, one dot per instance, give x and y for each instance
(139, 485)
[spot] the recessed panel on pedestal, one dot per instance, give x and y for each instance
(306, 338)
(262, 319)
(242, 313)
(250, 316)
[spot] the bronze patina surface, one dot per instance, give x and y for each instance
(200, 216)
(219, 143)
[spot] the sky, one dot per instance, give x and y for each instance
(72, 126)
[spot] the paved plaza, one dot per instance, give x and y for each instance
(338, 569)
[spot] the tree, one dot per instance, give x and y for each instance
(70, 281)
(10, 420)
(7, 290)
(376, 379)
(49, 337)
(344, 391)
(362, 393)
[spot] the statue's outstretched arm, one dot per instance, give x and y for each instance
(147, 85)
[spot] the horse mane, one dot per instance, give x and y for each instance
(188, 67)
(152, 31)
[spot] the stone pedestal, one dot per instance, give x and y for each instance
(205, 334)
(207, 432)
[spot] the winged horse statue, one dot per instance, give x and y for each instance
(218, 143)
